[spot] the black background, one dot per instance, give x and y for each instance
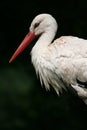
(23, 103)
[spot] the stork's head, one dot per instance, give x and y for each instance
(40, 24)
(43, 23)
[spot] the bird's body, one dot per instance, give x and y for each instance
(61, 64)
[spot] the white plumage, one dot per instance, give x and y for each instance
(62, 64)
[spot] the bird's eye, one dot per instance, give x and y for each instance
(36, 25)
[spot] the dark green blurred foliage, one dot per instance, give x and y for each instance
(24, 104)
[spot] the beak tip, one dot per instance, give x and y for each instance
(11, 59)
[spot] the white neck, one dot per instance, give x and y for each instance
(39, 48)
(44, 40)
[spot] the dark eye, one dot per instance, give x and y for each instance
(36, 25)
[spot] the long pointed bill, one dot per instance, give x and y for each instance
(28, 38)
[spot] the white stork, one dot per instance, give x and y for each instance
(62, 64)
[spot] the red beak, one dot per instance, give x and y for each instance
(27, 40)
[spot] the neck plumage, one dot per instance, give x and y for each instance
(39, 54)
(44, 40)
(40, 48)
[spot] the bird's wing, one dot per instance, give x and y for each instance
(70, 55)
(70, 44)
(70, 59)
